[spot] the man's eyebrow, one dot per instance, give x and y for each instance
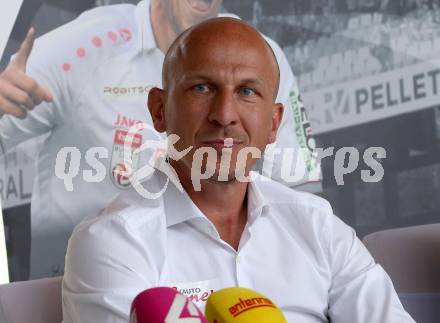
(196, 77)
(205, 77)
(253, 81)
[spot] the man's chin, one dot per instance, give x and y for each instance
(203, 8)
(226, 176)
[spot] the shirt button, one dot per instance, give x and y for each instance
(238, 259)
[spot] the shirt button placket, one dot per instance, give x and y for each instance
(243, 278)
(241, 275)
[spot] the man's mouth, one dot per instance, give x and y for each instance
(219, 144)
(200, 5)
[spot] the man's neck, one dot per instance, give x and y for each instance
(224, 204)
(162, 28)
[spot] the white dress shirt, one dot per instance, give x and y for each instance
(99, 68)
(293, 250)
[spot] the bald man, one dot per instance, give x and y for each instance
(234, 227)
(98, 78)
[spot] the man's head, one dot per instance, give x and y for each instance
(220, 81)
(183, 14)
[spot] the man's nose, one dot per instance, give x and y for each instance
(223, 110)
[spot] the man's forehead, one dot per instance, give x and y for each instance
(233, 52)
(218, 39)
(225, 32)
(218, 31)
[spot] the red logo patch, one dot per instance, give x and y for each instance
(125, 34)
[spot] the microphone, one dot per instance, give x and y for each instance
(164, 305)
(241, 305)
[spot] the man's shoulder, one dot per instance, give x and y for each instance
(308, 219)
(129, 215)
(130, 233)
(100, 19)
(105, 16)
(280, 195)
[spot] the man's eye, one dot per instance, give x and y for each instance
(246, 91)
(201, 88)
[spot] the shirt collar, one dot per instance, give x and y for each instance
(257, 203)
(180, 208)
(146, 40)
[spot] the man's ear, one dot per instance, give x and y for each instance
(277, 116)
(156, 106)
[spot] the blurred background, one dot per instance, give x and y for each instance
(369, 76)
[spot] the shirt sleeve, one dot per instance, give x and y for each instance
(361, 291)
(290, 160)
(106, 267)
